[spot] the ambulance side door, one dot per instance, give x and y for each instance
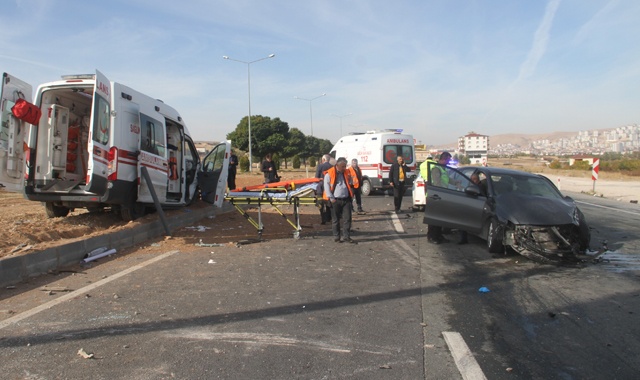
(12, 134)
(153, 156)
(212, 177)
(100, 136)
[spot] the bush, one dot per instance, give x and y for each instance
(244, 163)
(312, 162)
(555, 164)
(581, 165)
(296, 162)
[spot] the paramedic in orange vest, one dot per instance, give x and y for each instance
(338, 193)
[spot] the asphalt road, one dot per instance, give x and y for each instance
(391, 307)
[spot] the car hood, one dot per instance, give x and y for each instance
(531, 210)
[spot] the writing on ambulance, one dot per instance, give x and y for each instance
(103, 88)
(398, 141)
(151, 159)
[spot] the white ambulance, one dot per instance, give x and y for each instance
(375, 152)
(91, 143)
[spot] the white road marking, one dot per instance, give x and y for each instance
(609, 208)
(466, 363)
(68, 296)
(396, 223)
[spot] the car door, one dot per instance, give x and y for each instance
(12, 133)
(457, 203)
(212, 177)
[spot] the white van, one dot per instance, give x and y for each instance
(89, 146)
(375, 152)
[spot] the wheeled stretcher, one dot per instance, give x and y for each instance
(275, 197)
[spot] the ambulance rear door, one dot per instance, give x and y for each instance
(212, 178)
(99, 167)
(12, 134)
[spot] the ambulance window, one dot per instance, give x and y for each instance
(101, 120)
(407, 153)
(215, 159)
(390, 153)
(152, 136)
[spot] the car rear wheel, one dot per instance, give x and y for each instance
(494, 237)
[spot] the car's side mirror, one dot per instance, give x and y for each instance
(473, 190)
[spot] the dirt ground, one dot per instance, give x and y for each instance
(27, 227)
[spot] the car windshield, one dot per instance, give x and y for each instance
(526, 185)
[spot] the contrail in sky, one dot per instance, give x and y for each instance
(537, 51)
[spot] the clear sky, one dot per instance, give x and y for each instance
(436, 68)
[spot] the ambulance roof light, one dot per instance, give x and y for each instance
(79, 76)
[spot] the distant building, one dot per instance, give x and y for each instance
(475, 147)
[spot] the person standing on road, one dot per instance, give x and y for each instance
(233, 167)
(338, 192)
(356, 173)
(438, 177)
(268, 167)
(321, 170)
(397, 177)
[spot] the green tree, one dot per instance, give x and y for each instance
(244, 163)
(325, 147)
(267, 135)
(295, 145)
(311, 148)
(296, 162)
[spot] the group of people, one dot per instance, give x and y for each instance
(340, 185)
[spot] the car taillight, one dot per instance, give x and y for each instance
(379, 171)
(112, 166)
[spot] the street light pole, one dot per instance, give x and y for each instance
(340, 117)
(310, 110)
(249, 93)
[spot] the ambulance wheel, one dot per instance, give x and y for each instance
(365, 187)
(54, 211)
(131, 211)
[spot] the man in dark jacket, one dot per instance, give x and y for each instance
(397, 176)
(357, 192)
(233, 168)
(268, 167)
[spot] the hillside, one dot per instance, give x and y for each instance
(523, 139)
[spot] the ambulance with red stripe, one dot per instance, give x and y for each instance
(375, 152)
(93, 143)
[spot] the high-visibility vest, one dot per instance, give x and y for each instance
(424, 169)
(354, 177)
(332, 180)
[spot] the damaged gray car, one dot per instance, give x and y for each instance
(510, 209)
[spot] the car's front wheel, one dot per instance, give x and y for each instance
(494, 237)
